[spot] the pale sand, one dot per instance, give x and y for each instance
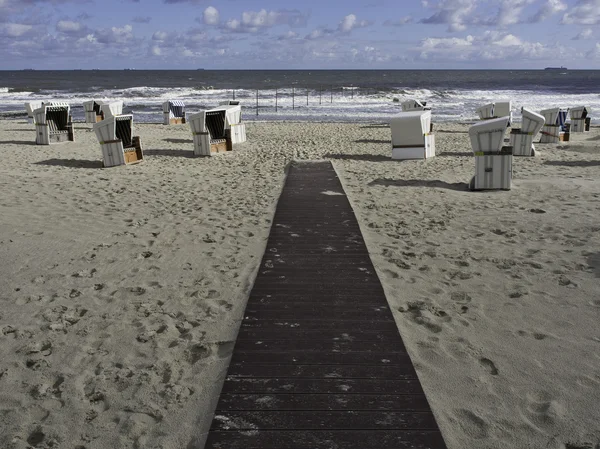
(121, 289)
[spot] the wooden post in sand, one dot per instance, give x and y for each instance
(275, 99)
(352, 89)
(256, 101)
(293, 95)
(320, 92)
(233, 94)
(331, 92)
(307, 96)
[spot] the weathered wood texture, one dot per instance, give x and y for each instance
(318, 362)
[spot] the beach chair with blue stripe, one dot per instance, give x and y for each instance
(521, 139)
(174, 112)
(119, 146)
(412, 136)
(493, 161)
(53, 123)
(580, 120)
(555, 128)
(93, 113)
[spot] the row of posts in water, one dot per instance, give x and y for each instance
(322, 94)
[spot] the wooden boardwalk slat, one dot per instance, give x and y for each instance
(319, 362)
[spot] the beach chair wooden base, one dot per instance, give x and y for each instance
(114, 154)
(177, 121)
(579, 125)
(522, 143)
(407, 152)
(493, 171)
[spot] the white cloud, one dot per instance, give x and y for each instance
(454, 13)
(583, 35)
(549, 8)
(510, 12)
(255, 21)
(211, 16)
(68, 26)
(585, 12)
(400, 22)
(350, 22)
(14, 29)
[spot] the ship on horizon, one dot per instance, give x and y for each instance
(556, 69)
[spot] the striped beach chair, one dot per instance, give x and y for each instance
(111, 109)
(493, 161)
(173, 112)
(31, 106)
(555, 127)
(93, 114)
(521, 139)
(209, 133)
(119, 146)
(580, 120)
(496, 110)
(53, 123)
(412, 136)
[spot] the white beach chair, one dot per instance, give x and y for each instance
(493, 161)
(118, 145)
(580, 121)
(93, 114)
(486, 111)
(521, 139)
(53, 123)
(111, 109)
(173, 112)
(554, 130)
(229, 103)
(412, 136)
(504, 109)
(414, 105)
(30, 107)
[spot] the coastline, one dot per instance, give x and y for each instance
(122, 304)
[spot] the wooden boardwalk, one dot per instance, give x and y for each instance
(318, 362)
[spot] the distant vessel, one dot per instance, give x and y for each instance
(556, 69)
(28, 70)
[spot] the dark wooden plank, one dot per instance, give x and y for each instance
(323, 420)
(322, 346)
(321, 386)
(338, 325)
(313, 314)
(317, 358)
(297, 402)
(322, 371)
(296, 333)
(325, 439)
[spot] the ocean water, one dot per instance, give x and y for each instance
(333, 95)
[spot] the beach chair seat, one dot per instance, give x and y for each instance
(493, 161)
(414, 105)
(53, 124)
(554, 129)
(119, 146)
(30, 107)
(412, 136)
(93, 112)
(174, 112)
(521, 139)
(580, 120)
(111, 109)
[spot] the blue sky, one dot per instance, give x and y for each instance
(309, 34)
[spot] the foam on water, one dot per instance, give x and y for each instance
(344, 104)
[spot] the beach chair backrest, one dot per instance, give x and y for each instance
(486, 111)
(532, 122)
(123, 124)
(488, 136)
(215, 122)
(502, 108)
(57, 118)
(562, 119)
(198, 122)
(176, 108)
(112, 109)
(409, 128)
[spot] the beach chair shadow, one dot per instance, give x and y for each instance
(375, 125)
(171, 153)
(593, 260)
(17, 142)
(71, 163)
(456, 153)
(178, 140)
(387, 182)
(372, 141)
(573, 163)
(360, 157)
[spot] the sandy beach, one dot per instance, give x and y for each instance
(122, 289)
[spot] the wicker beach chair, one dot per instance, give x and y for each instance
(53, 123)
(521, 139)
(30, 107)
(493, 161)
(111, 109)
(496, 110)
(209, 133)
(414, 105)
(580, 120)
(119, 146)
(173, 112)
(486, 111)
(412, 136)
(93, 113)
(554, 130)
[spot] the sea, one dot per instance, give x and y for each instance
(303, 95)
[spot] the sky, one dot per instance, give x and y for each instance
(306, 34)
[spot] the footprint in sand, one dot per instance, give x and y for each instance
(489, 365)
